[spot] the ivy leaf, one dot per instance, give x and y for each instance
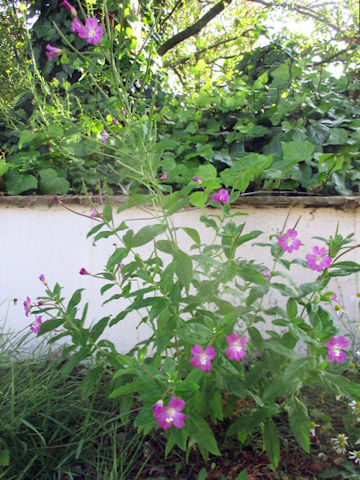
(198, 199)
(51, 182)
(17, 182)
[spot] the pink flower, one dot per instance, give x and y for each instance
(266, 273)
(157, 407)
(35, 326)
(334, 297)
(202, 358)
(76, 25)
(165, 176)
(69, 8)
(52, 52)
(222, 196)
(289, 242)
(27, 306)
(93, 213)
(83, 271)
(171, 415)
(236, 350)
(197, 180)
(116, 122)
(42, 279)
(105, 135)
(318, 260)
(92, 32)
(335, 346)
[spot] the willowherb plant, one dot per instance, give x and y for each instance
(204, 309)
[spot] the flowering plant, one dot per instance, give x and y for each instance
(204, 308)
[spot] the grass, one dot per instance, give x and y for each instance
(50, 431)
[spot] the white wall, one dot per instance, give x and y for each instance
(52, 241)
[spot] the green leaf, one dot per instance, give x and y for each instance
(299, 422)
(243, 475)
(297, 151)
(146, 234)
(198, 199)
(16, 182)
(271, 442)
(75, 300)
(341, 269)
(243, 426)
(26, 136)
(189, 331)
(51, 182)
(55, 131)
(4, 457)
(183, 268)
(116, 258)
(206, 172)
(291, 309)
(193, 234)
(338, 136)
(202, 433)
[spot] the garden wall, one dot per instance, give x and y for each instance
(38, 236)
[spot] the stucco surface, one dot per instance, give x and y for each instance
(50, 240)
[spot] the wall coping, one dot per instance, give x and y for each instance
(346, 202)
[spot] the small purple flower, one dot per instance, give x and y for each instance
(76, 25)
(105, 135)
(40, 303)
(93, 213)
(35, 326)
(83, 271)
(27, 306)
(116, 122)
(69, 8)
(266, 274)
(197, 180)
(289, 242)
(335, 346)
(318, 260)
(55, 198)
(236, 350)
(202, 358)
(334, 297)
(52, 52)
(171, 415)
(92, 32)
(222, 196)
(165, 176)
(42, 279)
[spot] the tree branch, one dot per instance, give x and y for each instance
(196, 54)
(306, 11)
(193, 29)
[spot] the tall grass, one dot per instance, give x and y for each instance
(49, 431)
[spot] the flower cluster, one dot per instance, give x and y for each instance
(340, 442)
(202, 358)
